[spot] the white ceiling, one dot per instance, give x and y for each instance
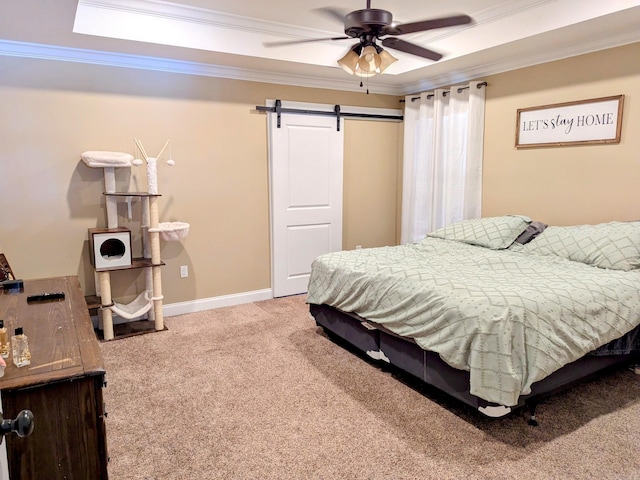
(225, 37)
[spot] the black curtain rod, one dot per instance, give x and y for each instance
(277, 108)
(444, 94)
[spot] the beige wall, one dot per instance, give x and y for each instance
(572, 184)
(51, 112)
(372, 184)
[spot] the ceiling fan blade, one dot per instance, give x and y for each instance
(332, 13)
(308, 40)
(423, 25)
(412, 48)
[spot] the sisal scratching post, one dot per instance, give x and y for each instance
(107, 314)
(155, 259)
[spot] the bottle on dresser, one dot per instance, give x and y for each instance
(4, 340)
(20, 348)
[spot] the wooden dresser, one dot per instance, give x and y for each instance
(62, 386)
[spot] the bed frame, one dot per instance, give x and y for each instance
(381, 344)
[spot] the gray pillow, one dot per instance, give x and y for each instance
(491, 232)
(533, 230)
(613, 245)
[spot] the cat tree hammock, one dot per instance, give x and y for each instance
(148, 302)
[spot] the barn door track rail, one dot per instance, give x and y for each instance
(279, 110)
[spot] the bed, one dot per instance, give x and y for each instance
(497, 312)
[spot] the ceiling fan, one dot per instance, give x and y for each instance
(370, 25)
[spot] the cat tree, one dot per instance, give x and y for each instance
(109, 247)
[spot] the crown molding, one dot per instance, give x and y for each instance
(140, 62)
(518, 60)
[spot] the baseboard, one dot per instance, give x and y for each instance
(199, 305)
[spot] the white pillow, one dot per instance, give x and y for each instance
(614, 245)
(492, 232)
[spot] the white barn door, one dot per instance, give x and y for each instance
(306, 170)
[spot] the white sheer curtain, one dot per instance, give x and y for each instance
(443, 144)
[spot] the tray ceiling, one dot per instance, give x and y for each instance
(226, 37)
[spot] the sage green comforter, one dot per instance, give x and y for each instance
(509, 318)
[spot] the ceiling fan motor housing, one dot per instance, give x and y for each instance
(368, 21)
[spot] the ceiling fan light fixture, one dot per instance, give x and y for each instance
(349, 62)
(369, 59)
(363, 74)
(386, 60)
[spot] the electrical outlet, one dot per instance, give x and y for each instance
(184, 271)
(358, 247)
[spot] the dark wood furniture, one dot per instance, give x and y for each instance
(62, 386)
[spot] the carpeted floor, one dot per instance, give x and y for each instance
(257, 391)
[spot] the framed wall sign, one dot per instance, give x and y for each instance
(598, 120)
